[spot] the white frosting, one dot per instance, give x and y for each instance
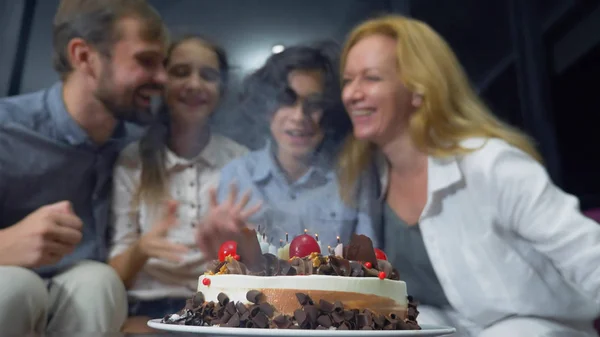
(236, 286)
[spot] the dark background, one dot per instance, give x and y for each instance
(536, 62)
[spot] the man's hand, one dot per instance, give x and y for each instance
(42, 238)
(156, 244)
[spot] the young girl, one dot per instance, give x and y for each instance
(290, 183)
(177, 159)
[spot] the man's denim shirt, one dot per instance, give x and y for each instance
(46, 157)
(312, 202)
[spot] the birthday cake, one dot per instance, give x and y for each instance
(296, 286)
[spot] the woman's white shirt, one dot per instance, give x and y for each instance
(504, 240)
(189, 182)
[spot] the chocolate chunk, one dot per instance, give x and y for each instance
(240, 307)
(267, 309)
(338, 317)
(249, 250)
(363, 320)
(357, 269)
(302, 266)
(338, 307)
(255, 296)
(214, 266)
(385, 266)
(402, 325)
(254, 310)
(392, 318)
(198, 299)
(394, 275)
(349, 315)
(325, 269)
(312, 312)
(250, 324)
(413, 325)
(233, 322)
(223, 299)
(235, 267)
(341, 267)
(271, 264)
(379, 321)
(283, 322)
(389, 326)
(300, 316)
(344, 326)
(325, 306)
(304, 299)
(361, 249)
(412, 313)
(287, 269)
(230, 308)
(261, 320)
(325, 321)
(225, 318)
(189, 304)
(245, 316)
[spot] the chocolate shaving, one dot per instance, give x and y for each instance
(255, 296)
(223, 299)
(241, 308)
(198, 299)
(230, 308)
(325, 315)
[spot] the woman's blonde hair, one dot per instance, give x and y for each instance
(451, 111)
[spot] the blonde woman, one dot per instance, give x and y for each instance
(484, 239)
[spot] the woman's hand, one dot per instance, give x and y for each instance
(223, 221)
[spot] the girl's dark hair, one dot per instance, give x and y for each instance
(267, 89)
(152, 149)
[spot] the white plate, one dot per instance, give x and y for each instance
(427, 330)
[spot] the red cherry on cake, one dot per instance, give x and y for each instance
(304, 245)
(380, 255)
(368, 265)
(228, 248)
(382, 275)
(206, 281)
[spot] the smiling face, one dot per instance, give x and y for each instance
(295, 125)
(377, 101)
(132, 74)
(194, 82)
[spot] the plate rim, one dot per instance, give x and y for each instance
(439, 330)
